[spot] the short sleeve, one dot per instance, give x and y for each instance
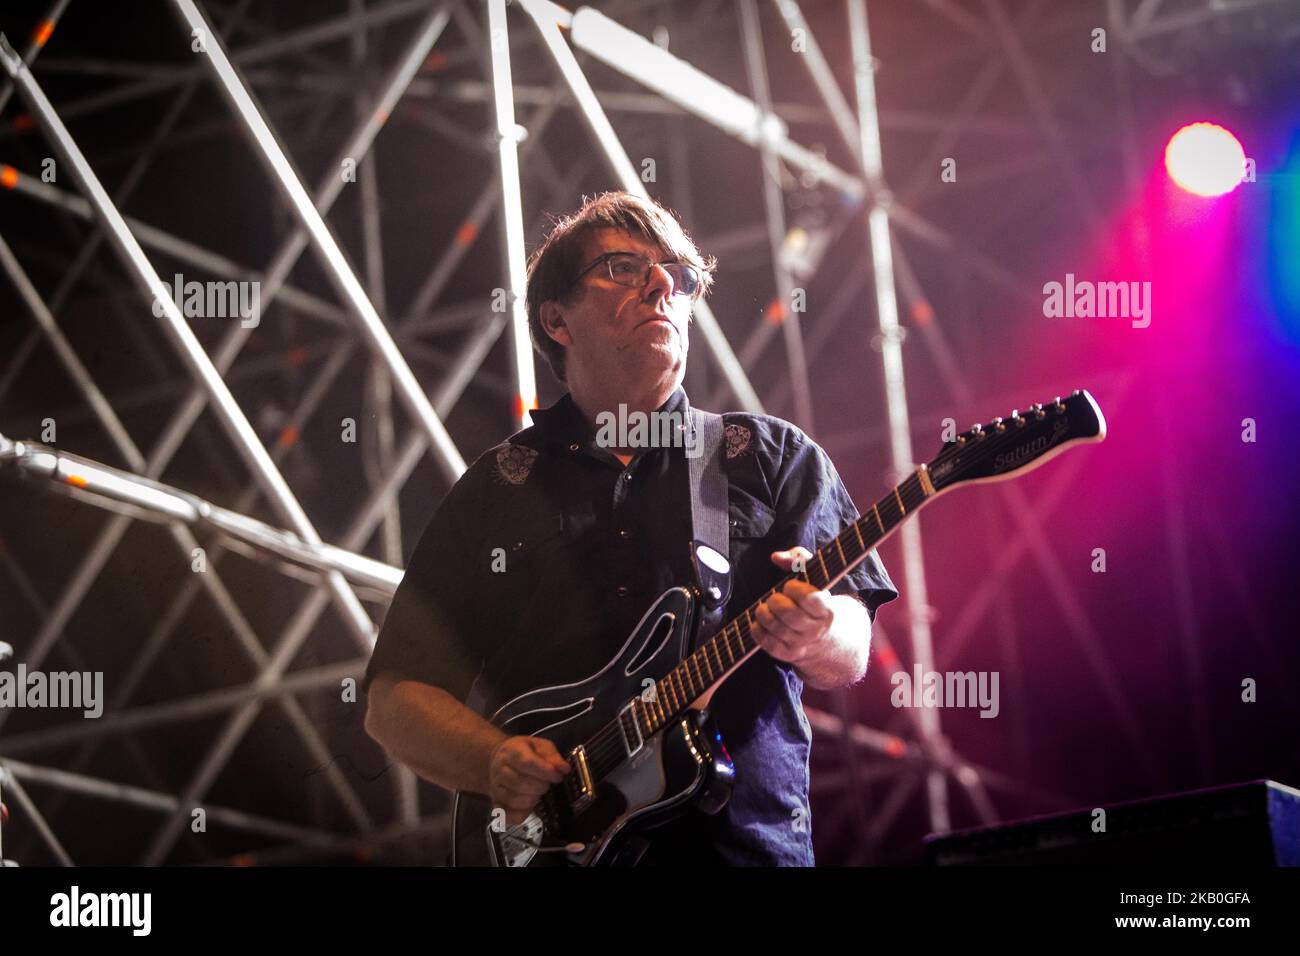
(425, 635)
(813, 507)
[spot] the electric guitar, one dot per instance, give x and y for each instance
(638, 734)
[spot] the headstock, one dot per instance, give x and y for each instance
(1017, 443)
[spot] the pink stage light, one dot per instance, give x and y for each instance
(1205, 159)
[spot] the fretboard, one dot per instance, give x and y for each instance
(715, 659)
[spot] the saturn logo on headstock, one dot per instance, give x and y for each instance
(1032, 449)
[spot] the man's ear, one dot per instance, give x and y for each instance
(553, 323)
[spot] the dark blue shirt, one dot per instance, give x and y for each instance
(587, 545)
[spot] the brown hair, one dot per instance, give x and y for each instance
(554, 265)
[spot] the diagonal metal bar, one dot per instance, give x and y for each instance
(183, 339)
(303, 619)
(40, 36)
(101, 549)
(164, 76)
(1018, 59)
(133, 176)
(272, 282)
(472, 225)
(715, 339)
(375, 333)
(201, 705)
(475, 350)
(152, 800)
(20, 797)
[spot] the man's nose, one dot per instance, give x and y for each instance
(659, 283)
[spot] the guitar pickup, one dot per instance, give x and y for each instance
(586, 789)
(627, 722)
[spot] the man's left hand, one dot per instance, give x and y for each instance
(795, 623)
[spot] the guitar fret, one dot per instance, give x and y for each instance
(844, 562)
(880, 524)
(825, 574)
(722, 668)
(861, 544)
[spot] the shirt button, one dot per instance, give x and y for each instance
(627, 476)
(621, 590)
(573, 447)
(624, 533)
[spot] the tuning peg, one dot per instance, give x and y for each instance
(1060, 405)
(978, 430)
(998, 426)
(1017, 418)
(1037, 408)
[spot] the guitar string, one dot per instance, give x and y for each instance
(610, 737)
(607, 746)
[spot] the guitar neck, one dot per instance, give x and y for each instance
(717, 658)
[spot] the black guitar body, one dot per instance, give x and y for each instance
(682, 766)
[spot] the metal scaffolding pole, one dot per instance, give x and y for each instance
(201, 705)
(271, 281)
(774, 206)
(97, 555)
(228, 411)
(471, 226)
(152, 800)
(305, 616)
(891, 352)
(40, 36)
(474, 351)
(25, 804)
(331, 257)
(507, 134)
(545, 16)
(145, 497)
(127, 187)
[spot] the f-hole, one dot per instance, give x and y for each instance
(659, 635)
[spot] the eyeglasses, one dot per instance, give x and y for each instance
(633, 271)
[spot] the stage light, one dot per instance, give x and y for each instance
(1205, 159)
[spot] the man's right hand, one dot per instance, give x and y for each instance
(520, 771)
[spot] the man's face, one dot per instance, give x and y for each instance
(638, 334)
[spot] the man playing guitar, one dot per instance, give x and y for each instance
(550, 547)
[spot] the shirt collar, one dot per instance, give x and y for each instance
(563, 422)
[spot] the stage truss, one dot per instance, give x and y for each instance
(909, 757)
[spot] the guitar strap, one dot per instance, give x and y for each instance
(709, 517)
